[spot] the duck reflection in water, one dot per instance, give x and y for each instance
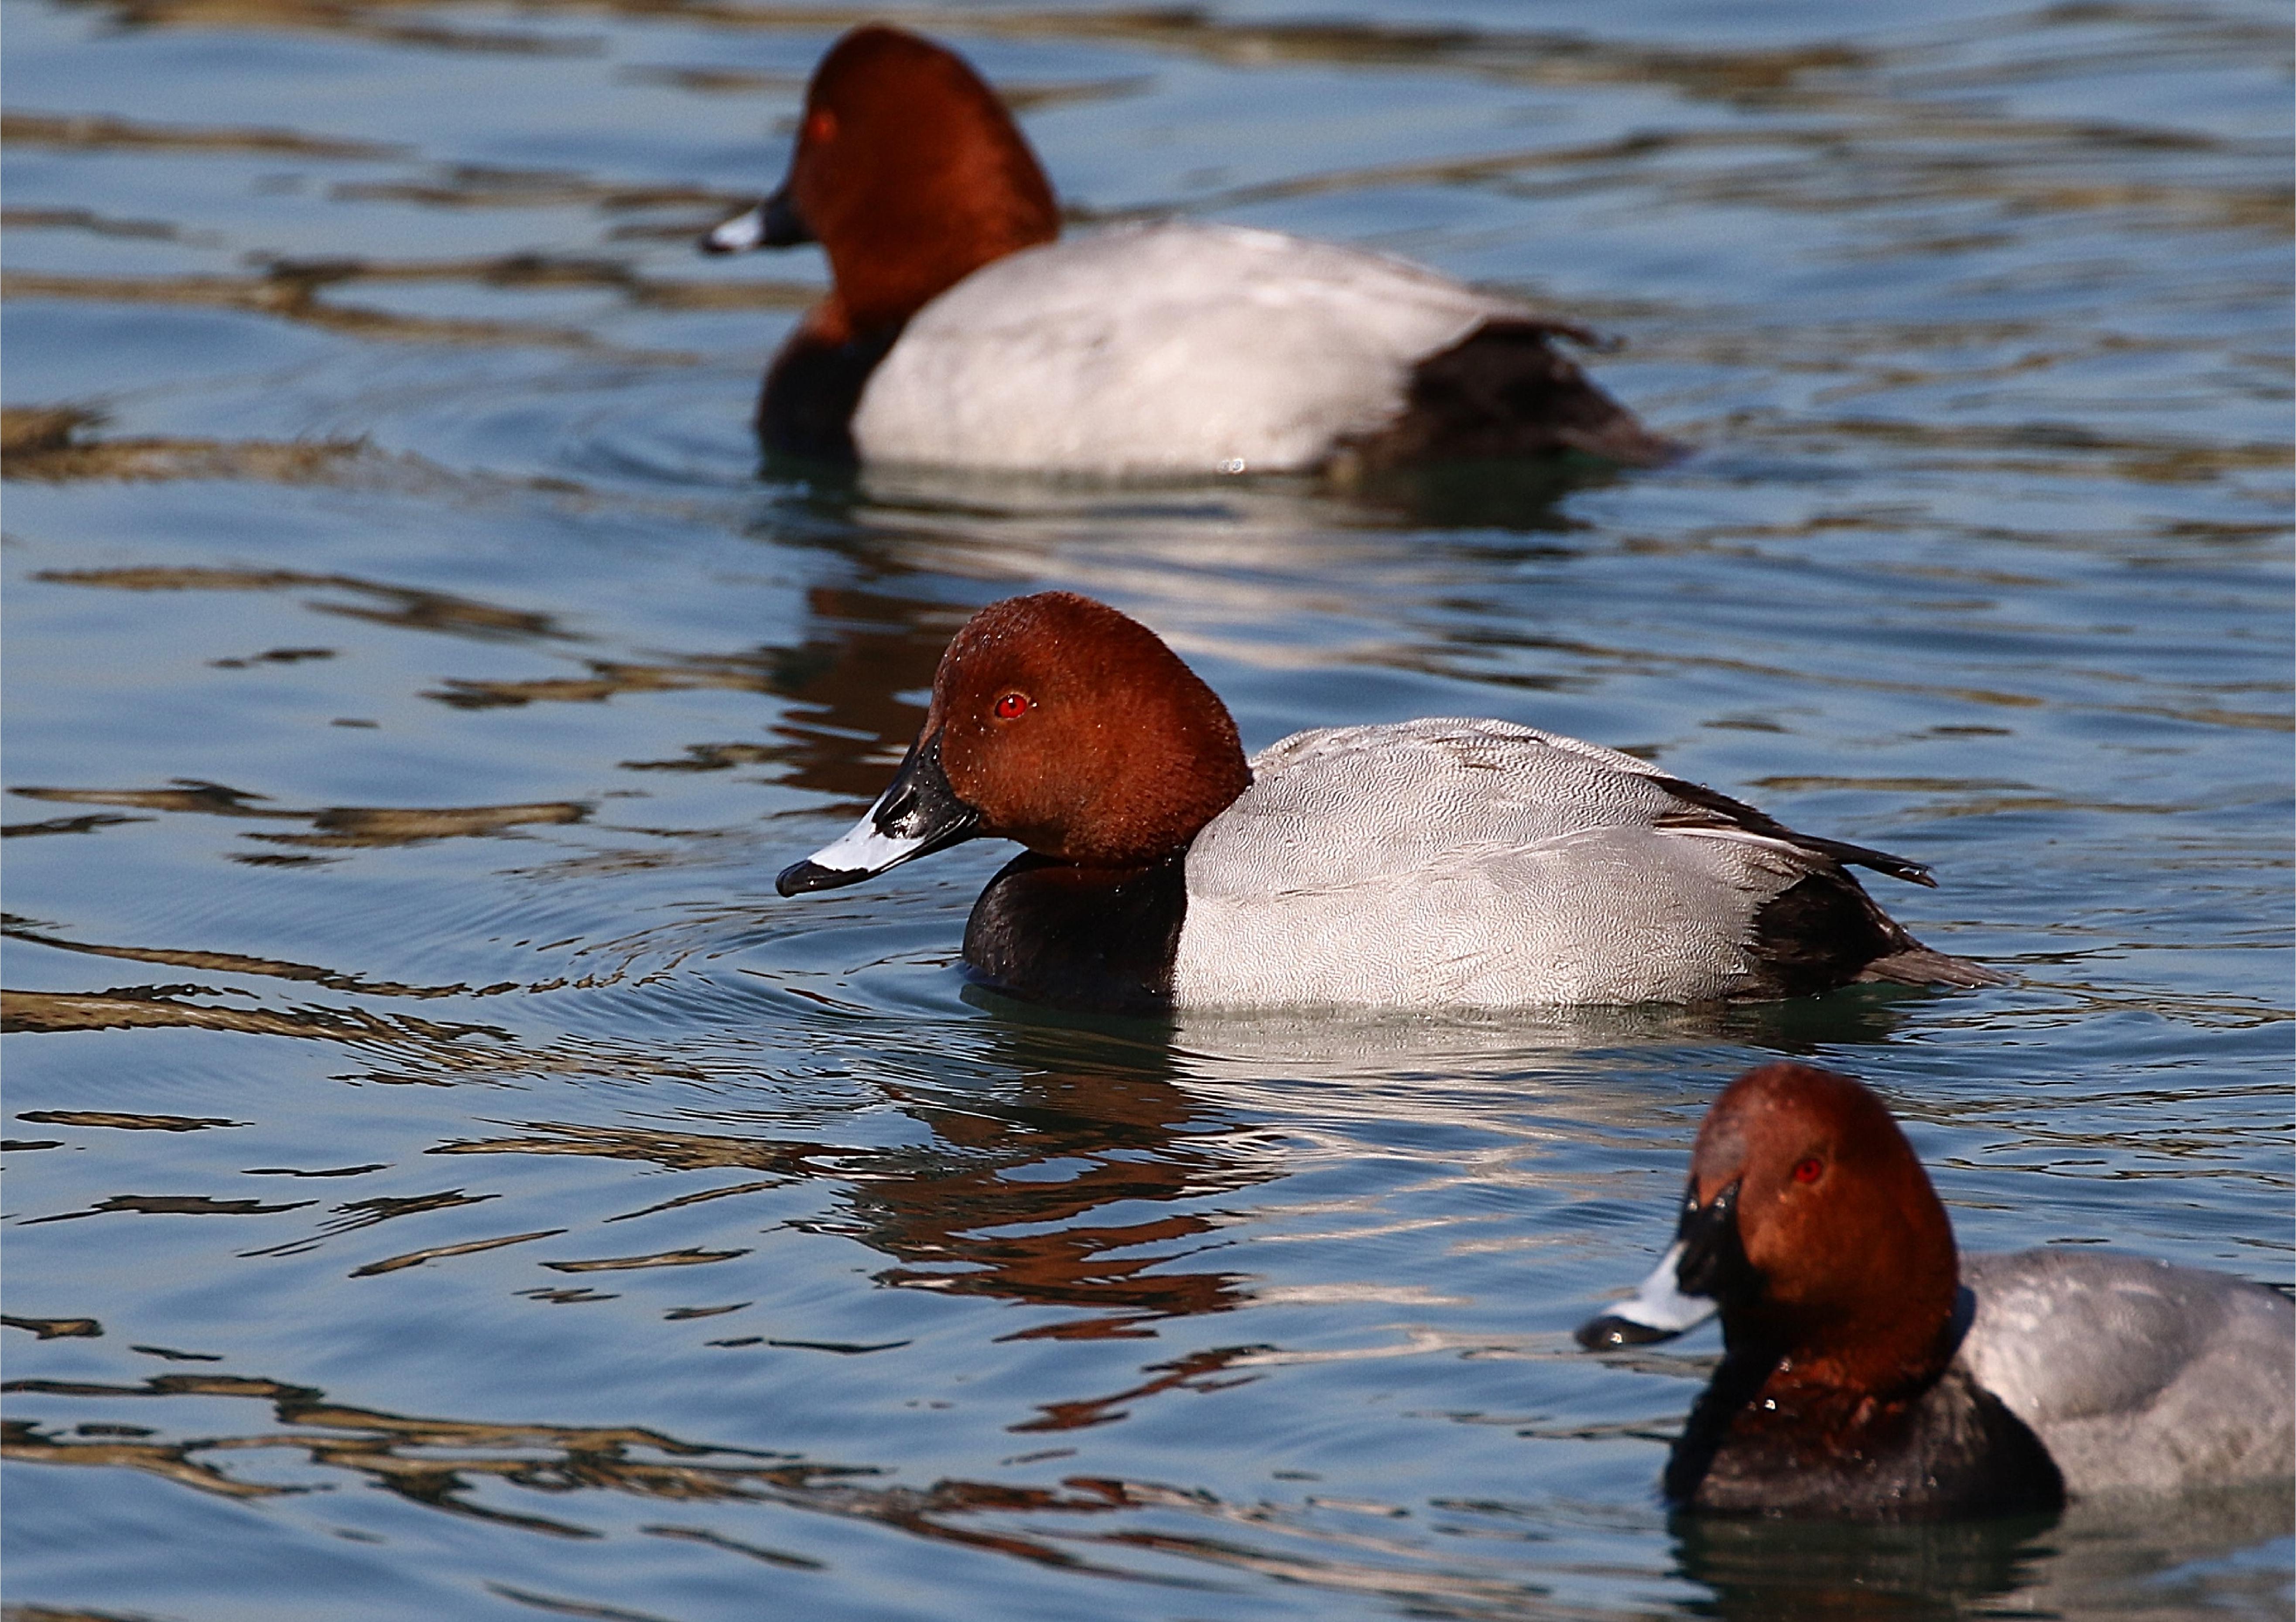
(2090, 1560)
(1014, 1197)
(864, 650)
(1013, 1194)
(450, 1464)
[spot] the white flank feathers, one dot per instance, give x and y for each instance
(1171, 349)
(1466, 864)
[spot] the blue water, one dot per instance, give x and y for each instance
(448, 1182)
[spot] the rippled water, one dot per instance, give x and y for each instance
(449, 1183)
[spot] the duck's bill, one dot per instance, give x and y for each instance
(917, 815)
(863, 852)
(1658, 1310)
(773, 222)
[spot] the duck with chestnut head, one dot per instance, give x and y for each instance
(1437, 862)
(1872, 1374)
(963, 330)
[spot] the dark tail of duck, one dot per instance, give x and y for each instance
(1505, 392)
(1920, 966)
(1824, 931)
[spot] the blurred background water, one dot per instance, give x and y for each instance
(446, 1182)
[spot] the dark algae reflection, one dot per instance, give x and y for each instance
(447, 1181)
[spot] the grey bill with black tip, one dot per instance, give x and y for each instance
(1658, 1310)
(1706, 1262)
(917, 815)
(773, 222)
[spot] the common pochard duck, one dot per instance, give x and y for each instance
(1429, 863)
(961, 333)
(1869, 1374)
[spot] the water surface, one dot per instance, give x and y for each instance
(449, 1182)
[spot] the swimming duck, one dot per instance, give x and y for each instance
(962, 332)
(1441, 862)
(1869, 1374)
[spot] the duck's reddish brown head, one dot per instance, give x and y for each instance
(1060, 723)
(1809, 1222)
(908, 172)
(1854, 1275)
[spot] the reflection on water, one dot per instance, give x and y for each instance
(538, 1478)
(972, 1211)
(1276, 508)
(425, 673)
(401, 1454)
(414, 609)
(2107, 1557)
(1347, 1046)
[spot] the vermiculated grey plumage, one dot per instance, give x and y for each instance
(1466, 863)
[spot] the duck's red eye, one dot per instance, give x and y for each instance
(1012, 705)
(820, 126)
(1808, 1170)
